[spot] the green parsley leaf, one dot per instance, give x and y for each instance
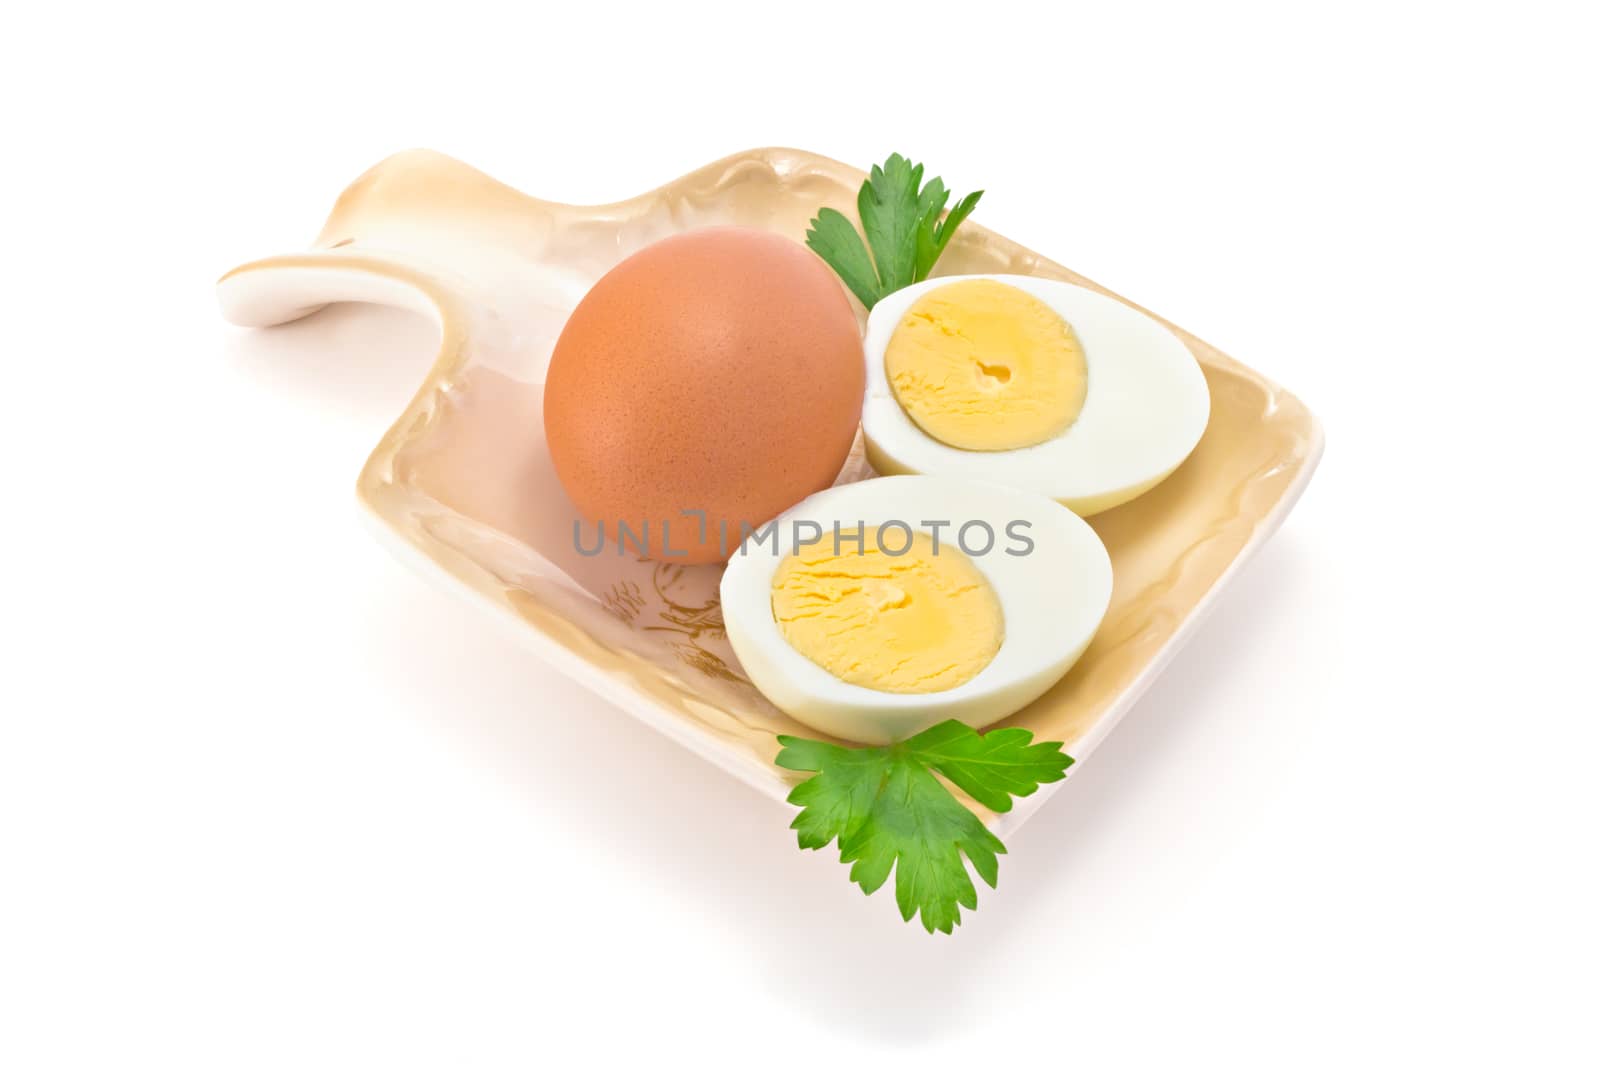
(902, 221)
(990, 768)
(930, 205)
(889, 812)
(946, 228)
(833, 238)
(888, 208)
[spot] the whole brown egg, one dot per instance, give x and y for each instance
(717, 371)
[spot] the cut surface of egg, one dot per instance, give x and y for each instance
(873, 610)
(1038, 384)
(928, 618)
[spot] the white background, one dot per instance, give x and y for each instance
(266, 797)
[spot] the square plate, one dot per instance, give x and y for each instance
(461, 486)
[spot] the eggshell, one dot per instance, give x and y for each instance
(720, 370)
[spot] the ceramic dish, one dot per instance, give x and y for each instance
(462, 488)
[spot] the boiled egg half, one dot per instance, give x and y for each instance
(873, 610)
(1039, 384)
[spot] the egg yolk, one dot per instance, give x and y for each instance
(984, 366)
(918, 622)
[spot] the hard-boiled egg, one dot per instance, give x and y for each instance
(716, 372)
(873, 610)
(1039, 384)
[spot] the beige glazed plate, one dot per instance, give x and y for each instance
(462, 486)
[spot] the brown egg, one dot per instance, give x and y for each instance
(719, 371)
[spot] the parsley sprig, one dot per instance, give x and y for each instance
(889, 813)
(903, 223)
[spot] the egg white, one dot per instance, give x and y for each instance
(1052, 599)
(1146, 406)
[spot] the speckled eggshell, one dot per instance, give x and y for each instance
(718, 370)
